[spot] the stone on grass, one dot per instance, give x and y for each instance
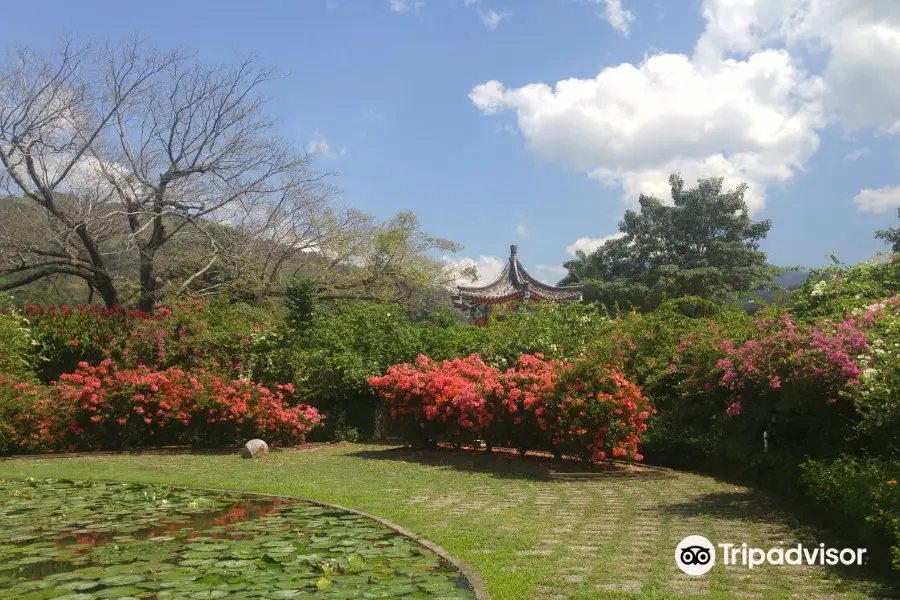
(254, 449)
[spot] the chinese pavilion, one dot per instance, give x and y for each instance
(513, 284)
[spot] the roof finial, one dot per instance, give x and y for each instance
(512, 250)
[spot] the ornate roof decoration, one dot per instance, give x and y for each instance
(515, 283)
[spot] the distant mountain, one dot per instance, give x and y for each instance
(793, 279)
(789, 281)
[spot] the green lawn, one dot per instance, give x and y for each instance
(527, 536)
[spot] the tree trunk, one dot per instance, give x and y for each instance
(107, 290)
(381, 421)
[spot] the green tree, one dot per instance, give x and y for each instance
(890, 236)
(705, 244)
(300, 301)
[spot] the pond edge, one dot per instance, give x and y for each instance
(474, 580)
(471, 576)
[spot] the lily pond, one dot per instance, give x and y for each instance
(74, 540)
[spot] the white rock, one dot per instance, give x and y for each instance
(254, 449)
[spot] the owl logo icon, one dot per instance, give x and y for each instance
(695, 555)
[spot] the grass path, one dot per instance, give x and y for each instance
(528, 537)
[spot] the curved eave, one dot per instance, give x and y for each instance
(566, 295)
(510, 284)
(550, 290)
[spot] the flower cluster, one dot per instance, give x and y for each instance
(580, 407)
(877, 397)
(825, 358)
(595, 412)
(105, 406)
(453, 399)
(30, 417)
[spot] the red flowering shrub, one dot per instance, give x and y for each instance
(580, 408)
(104, 406)
(446, 401)
(526, 386)
(594, 412)
(29, 416)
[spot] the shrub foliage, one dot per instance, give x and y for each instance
(580, 408)
(107, 407)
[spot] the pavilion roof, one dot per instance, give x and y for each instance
(513, 281)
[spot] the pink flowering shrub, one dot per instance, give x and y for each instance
(808, 385)
(105, 406)
(819, 361)
(581, 408)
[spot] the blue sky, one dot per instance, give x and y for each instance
(437, 106)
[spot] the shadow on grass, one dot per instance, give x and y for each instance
(499, 465)
(508, 464)
(806, 528)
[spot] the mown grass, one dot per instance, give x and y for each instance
(527, 536)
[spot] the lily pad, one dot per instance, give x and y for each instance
(70, 540)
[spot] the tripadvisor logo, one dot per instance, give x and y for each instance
(696, 555)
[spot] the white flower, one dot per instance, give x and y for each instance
(820, 289)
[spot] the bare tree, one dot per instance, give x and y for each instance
(195, 154)
(126, 163)
(53, 111)
(147, 148)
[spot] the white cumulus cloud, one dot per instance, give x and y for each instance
(588, 244)
(880, 200)
(634, 125)
(860, 40)
(488, 268)
(741, 107)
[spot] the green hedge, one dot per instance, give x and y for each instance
(861, 496)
